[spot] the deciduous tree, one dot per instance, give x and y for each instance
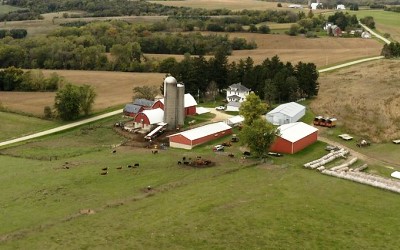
(258, 136)
(252, 108)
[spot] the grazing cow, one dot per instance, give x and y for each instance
(119, 167)
(154, 151)
(198, 157)
(66, 167)
(104, 169)
(136, 165)
(186, 162)
(104, 173)
(246, 153)
(231, 155)
(179, 162)
(184, 158)
(149, 188)
(129, 166)
(114, 151)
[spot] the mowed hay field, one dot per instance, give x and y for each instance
(224, 4)
(236, 204)
(365, 98)
(320, 51)
(112, 88)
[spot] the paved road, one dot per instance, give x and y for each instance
(61, 128)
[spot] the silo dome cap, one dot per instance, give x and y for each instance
(170, 80)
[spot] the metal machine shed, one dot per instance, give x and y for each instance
(294, 137)
(286, 113)
(193, 137)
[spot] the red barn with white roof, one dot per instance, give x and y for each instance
(189, 104)
(193, 137)
(294, 137)
(148, 118)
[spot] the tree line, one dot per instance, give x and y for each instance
(391, 50)
(15, 79)
(272, 80)
(86, 47)
(14, 33)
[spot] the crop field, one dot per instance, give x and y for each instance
(385, 21)
(238, 204)
(112, 88)
(321, 51)
(364, 98)
(14, 125)
(224, 4)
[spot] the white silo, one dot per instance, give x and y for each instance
(170, 102)
(180, 107)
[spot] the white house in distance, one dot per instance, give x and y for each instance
(286, 113)
(340, 7)
(237, 93)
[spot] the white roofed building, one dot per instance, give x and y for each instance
(147, 119)
(237, 93)
(233, 106)
(294, 137)
(189, 104)
(193, 137)
(235, 120)
(286, 113)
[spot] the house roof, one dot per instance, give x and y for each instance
(188, 101)
(239, 86)
(295, 131)
(290, 109)
(154, 115)
(234, 104)
(143, 102)
(235, 119)
(132, 108)
(203, 131)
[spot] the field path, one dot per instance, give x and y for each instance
(61, 128)
(351, 63)
(359, 155)
(375, 34)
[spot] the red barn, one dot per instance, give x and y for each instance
(294, 137)
(149, 118)
(189, 103)
(193, 137)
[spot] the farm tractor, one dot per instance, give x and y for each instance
(324, 121)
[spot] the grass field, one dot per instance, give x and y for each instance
(4, 9)
(112, 88)
(385, 21)
(14, 125)
(233, 205)
(364, 98)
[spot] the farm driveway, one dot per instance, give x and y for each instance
(61, 128)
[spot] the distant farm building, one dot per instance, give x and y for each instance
(294, 137)
(236, 93)
(366, 35)
(315, 6)
(194, 137)
(340, 7)
(235, 120)
(233, 106)
(295, 6)
(131, 109)
(286, 113)
(189, 104)
(148, 119)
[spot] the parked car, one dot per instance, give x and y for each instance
(275, 154)
(220, 108)
(218, 148)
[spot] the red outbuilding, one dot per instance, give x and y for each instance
(294, 137)
(189, 103)
(193, 137)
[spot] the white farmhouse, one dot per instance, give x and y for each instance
(286, 113)
(340, 7)
(237, 93)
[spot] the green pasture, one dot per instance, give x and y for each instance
(380, 16)
(15, 125)
(237, 204)
(4, 9)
